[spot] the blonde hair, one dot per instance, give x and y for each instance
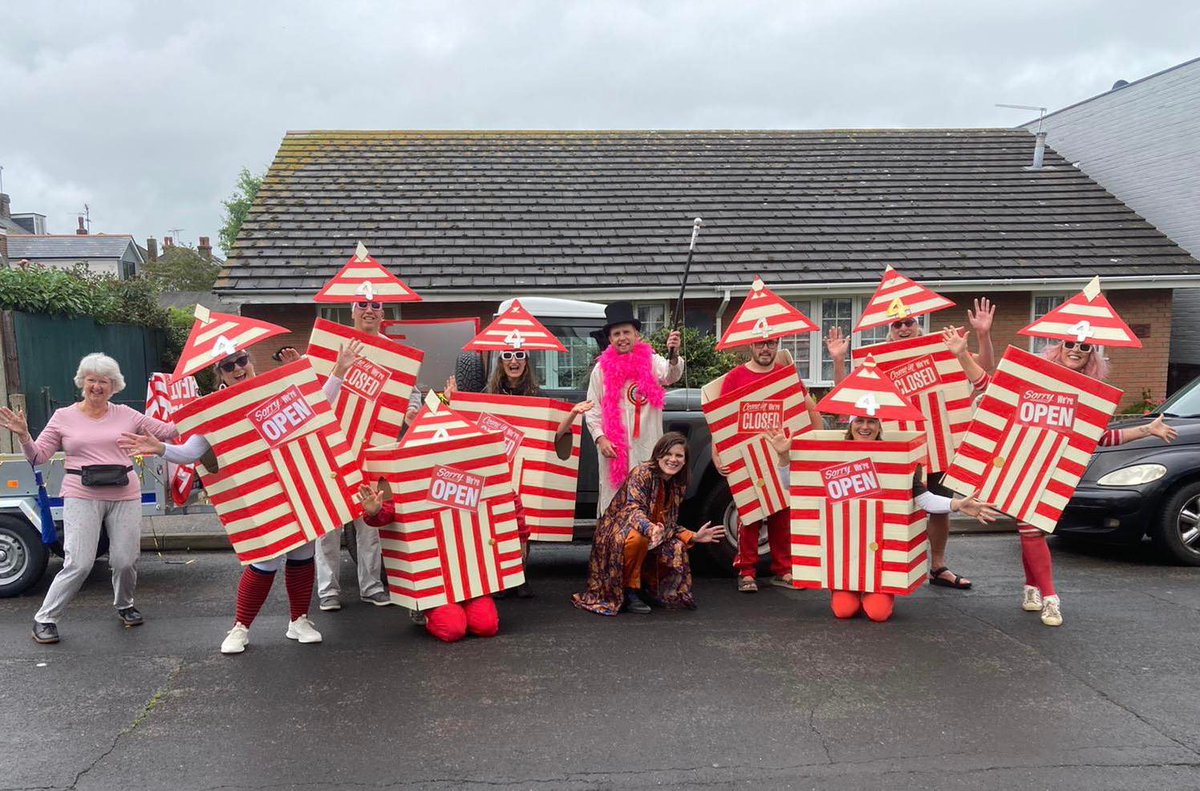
(100, 364)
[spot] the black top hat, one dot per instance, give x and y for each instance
(616, 313)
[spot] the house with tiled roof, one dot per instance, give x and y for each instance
(1138, 140)
(117, 255)
(469, 218)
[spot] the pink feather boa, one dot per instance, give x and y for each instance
(619, 369)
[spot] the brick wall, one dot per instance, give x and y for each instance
(1133, 369)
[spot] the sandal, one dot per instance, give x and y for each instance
(935, 578)
(747, 585)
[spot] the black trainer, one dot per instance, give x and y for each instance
(130, 617)
(44, 633)
(634, 603)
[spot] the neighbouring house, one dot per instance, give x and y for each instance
(1140, 142)
(109, 254)
(469, 218)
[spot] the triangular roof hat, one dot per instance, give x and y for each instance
(364, 278)
(898, 298)
(763, 316)
(215, 336)
(1086, 317)
(516, 329)
(867, 392)
(436, 422)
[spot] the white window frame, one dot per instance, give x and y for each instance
(817, 350)
(1036, 344)
(664, 304)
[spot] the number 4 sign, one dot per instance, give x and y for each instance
(1082, 330)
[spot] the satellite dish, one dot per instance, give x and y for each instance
(1119, 84)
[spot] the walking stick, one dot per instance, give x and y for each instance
(677, 319)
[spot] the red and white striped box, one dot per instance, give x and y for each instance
(375, 390)
(455, 535)
(928, 375)
(285, 473)
(854, 524)
(737, 421)
(545, 469)
(1032, 437)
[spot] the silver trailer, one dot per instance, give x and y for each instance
(23, 556)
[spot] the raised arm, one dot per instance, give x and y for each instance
(838, 347)
(48, 442)
(958, 347)
(980, 320)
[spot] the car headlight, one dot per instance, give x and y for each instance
(1133, 475)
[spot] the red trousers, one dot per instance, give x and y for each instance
(779, 538)
(452, 622)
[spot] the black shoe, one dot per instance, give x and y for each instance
(524, 591)
(130, 617)
(634, 603)
(44, 633)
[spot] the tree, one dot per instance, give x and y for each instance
(181, 268)
(238, 206)
(704, 362)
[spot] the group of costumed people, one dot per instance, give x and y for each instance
(447, 491)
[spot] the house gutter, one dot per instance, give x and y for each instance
(724, 291)
(720, 311)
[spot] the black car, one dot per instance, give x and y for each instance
(1146, 487)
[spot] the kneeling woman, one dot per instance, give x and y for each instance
(878, 606)
(639, 544)
(449, 622)
(257, 577)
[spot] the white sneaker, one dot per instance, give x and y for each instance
(1051, 614)
(303, 630)
(1031, 601)
(235, 641)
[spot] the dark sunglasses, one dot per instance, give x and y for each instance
(1083, 347)
(903, 323)
(513, 355)
(241, 361)
(364, 304)
(772, 343)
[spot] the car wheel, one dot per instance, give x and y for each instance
(23, 557)
(1178, 529)
(719, 508)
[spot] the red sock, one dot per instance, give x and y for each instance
(447, 623)
(298, 575)
(252, 591)
(878, 606)
(483, 620)
(845, 604)
(1036, 556)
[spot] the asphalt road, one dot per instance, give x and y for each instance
(959, 690)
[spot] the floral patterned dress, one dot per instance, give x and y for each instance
(667, 574)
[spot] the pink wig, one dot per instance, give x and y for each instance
(1097, 364)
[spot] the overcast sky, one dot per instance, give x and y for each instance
(146, 111)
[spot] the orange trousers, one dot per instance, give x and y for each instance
(637, 546)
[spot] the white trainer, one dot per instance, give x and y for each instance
(1051, 612)
(1031, 600)
(303, 631)
(235, 641)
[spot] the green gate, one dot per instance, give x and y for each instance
(49, 349)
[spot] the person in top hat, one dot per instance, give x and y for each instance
(626, 390)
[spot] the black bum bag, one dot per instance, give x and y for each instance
(103, 474)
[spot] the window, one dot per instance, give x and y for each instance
(843, 312)
(801, 345)
(652, 315)
(835, 312)
(570, 371)
(1043, 304)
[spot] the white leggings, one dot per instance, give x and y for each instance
(275, 564)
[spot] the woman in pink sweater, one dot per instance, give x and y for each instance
(99, 488)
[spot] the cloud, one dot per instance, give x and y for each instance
(147, 111)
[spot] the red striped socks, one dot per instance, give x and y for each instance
(252, 592)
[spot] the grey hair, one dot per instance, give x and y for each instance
(100, 364)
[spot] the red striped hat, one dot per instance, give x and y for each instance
(899, 298)
(515, 329)
(364, 279)
(436, 422)
(215, 336)
(764, 316)
(868, 392)
(1085, 318)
